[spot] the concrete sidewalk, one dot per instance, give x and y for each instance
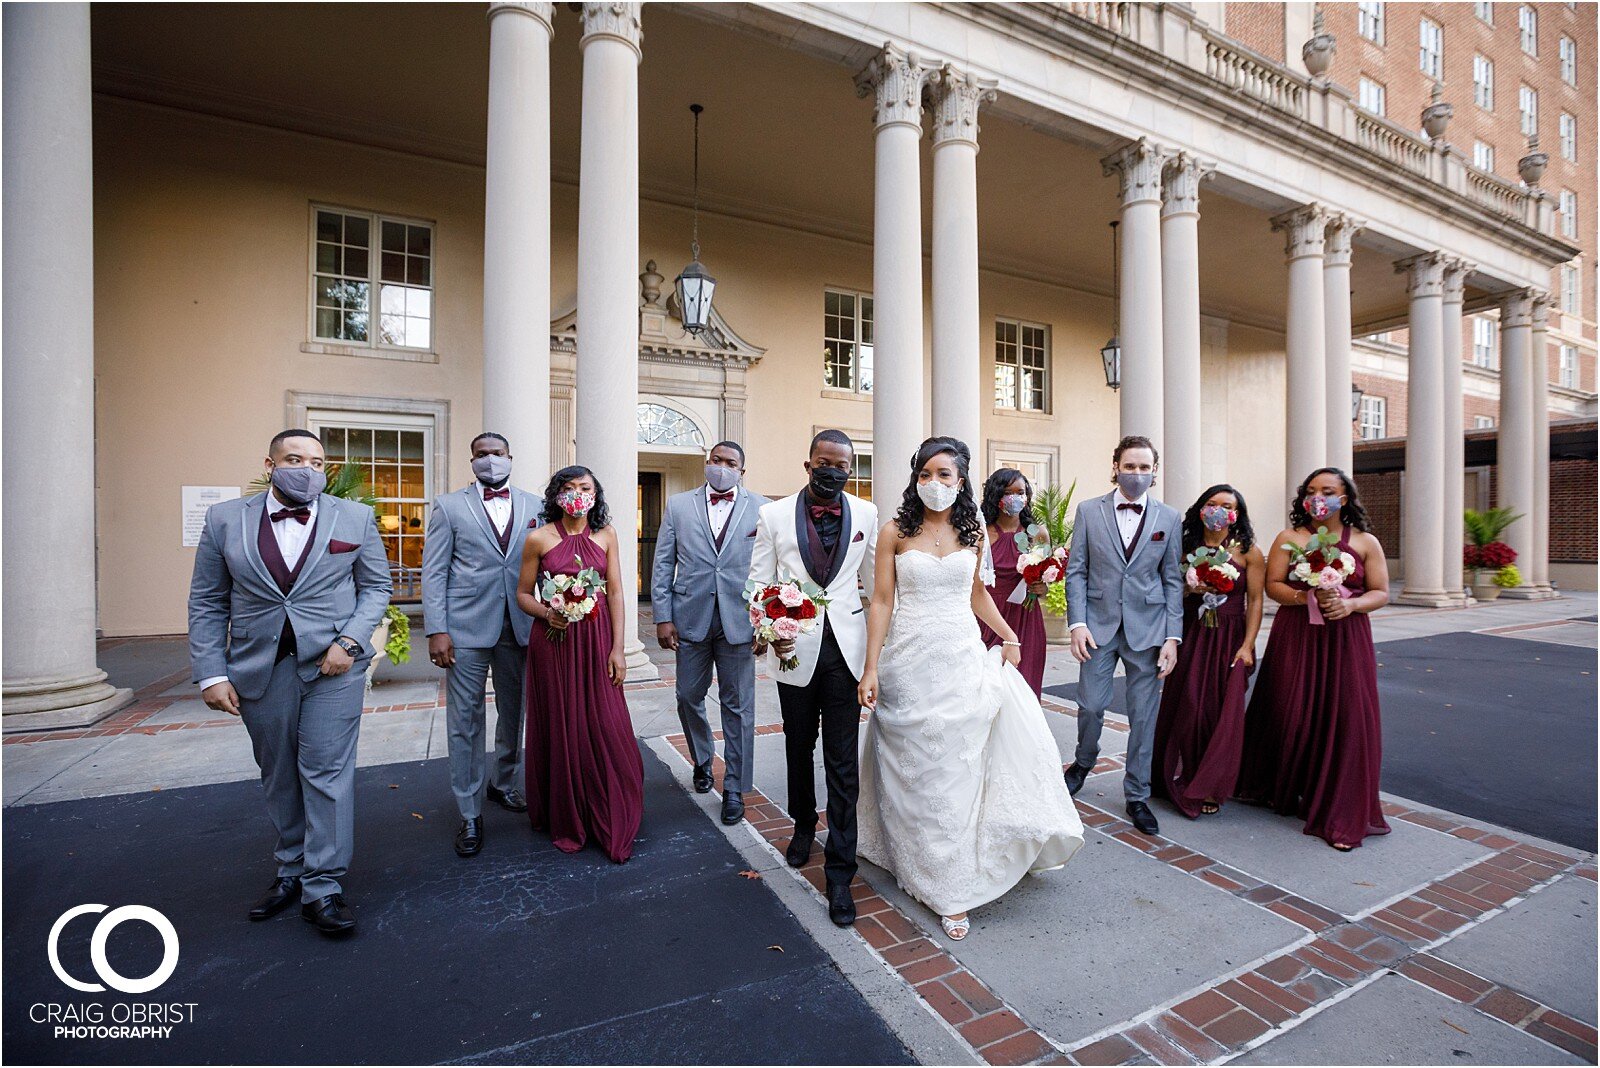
(1231, 937)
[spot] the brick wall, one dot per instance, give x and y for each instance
(1380, 496)
(1573, 511)
(1258, 25)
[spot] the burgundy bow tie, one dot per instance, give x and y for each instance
(820, 510)
(1136, 509)
(491, 494)
(299, 515)
(715, 496)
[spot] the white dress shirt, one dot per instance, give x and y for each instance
(292, 537)
(717, 512)
(499, 509)
(1128, 520)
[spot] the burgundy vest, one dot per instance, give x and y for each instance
(272, 556)
(1127, 550)
(501, 536)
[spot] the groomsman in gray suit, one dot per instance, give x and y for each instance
(697, 597)
(1125, 602)
(288, 587)
(470, 560)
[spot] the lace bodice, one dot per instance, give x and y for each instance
(933, 593)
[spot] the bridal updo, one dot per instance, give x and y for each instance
(963, 514)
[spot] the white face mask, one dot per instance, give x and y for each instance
(937, 496)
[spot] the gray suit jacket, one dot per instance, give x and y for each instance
(467, 582)
(236, 609)
(1143, 593)
(691, 576)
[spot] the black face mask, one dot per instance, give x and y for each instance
(826, 482)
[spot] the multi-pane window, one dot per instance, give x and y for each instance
(1485, 340)
(1370, 20)
(1482, 422)
(847, 341)
(1569, 213)
(860, 482)
(1528, 106)
(394, 454)
(1569, 367)
(1569, 60)
(1569, 137)
(1485, 10)
(1371, 96)
(371, 269)
(1569, 289)
(1431, 55)
(1021, 365)
(1528, 29)
(1483, 156)
(1374, 418)
(1483, 82)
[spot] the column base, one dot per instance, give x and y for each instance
(48, 708)
(1431, 599)
(1529, 593)
(640, 667)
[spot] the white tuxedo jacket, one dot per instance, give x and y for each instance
(782, 551)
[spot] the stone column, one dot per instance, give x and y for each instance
(895, 79)
(958, 394)
(516, 236)
(1336, 344)
(1537, 573)
(1305, 345)
(608, 284)
(1139, 166)
(1422, 502)
(1454, 432)
(1181, 468)
(50, 675)
(1514, 454)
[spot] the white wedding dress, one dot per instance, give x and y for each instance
(961, 788)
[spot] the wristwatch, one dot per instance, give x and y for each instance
(349, 645)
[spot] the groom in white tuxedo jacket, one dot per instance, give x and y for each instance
(828, 536)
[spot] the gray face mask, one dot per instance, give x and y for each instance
(492, 468)
(1133, 485)
(298, 485)
(720, 478)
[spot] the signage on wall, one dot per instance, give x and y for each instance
(196, 499)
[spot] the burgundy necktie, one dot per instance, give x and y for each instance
(299, 515)
(715, 497)
(491, 494)
(820, 510)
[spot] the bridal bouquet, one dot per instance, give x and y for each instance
(1320, 565)
(783, 611)
(1212, 573)
(574, 596)
(1037, 561)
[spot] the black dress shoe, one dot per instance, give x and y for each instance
(330, 915)
(511, 800)
(279, 896)
(1143, 819)
(732, 807)
(841, 906)
(469, 839)
(1075, 776)
(799, 850)
(702, 778)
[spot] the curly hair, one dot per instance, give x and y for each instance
(1351, 515)
(1194, 530)
(963, 514)
(995, 488)
(599, 515)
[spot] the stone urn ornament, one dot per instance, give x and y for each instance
(1531, 167)
(1436, 116)
(1317, 53)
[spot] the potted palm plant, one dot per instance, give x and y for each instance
(1485, 558)
(1052, 506)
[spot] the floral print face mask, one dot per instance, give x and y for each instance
(575, 502)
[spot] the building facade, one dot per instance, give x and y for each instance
(403, 224)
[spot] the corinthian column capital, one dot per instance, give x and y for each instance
(1456, 271)
(1516, 308)
(1180, 183)
(1543, 302)
(542, 10)
(1305, 231)
(954, 97)
(1337, 237)
(1139, 165)
(612, 18)
(895, 77)
(1424, 274)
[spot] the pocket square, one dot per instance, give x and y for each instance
(1159, 535)
(859, 537)
(337, 546)
(533, 524)
(751, 534)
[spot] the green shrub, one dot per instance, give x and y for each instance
(1055, 599)
(1508, 577)
(398, 647)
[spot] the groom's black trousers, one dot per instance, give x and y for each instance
(829, 702)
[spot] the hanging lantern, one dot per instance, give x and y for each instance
(694, 286)
(1356, 393)
(1111, 353)
(1111, 360)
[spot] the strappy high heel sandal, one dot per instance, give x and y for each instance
(956, 929)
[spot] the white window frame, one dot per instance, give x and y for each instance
(1483, 156)
(1374, 422)
(856, 343)
(1372, 96)
(1370, 20)
(1569, 59)
(1567, 367)
(1484, 9)
(1485, 341)
(1569, 213)
(1022, 326)
(1430, 48)
(373, 345)
(318, 420)
(1483, 82)
(1528, 110)
(1571, 289)
(1483, 422)
(1528, 29)
(1569, 136)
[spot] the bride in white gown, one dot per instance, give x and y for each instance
(961, 789)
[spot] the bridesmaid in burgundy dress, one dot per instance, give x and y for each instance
(1313, 740)
(1200, 734)
(585, 778)
(1007, 509)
